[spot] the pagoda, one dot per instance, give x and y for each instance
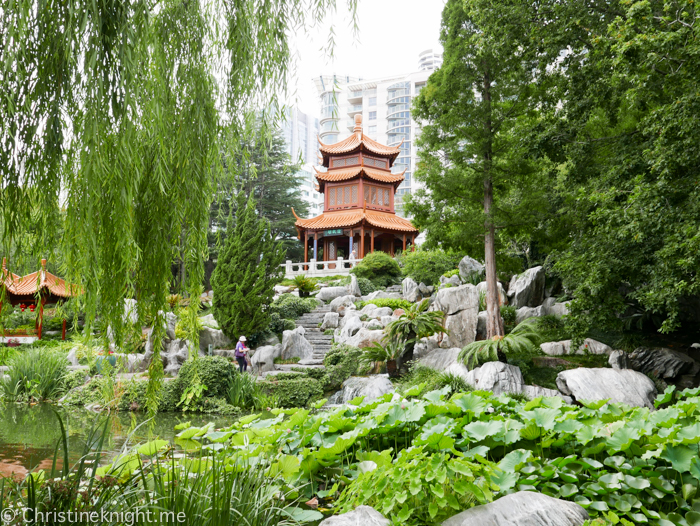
(358, 212)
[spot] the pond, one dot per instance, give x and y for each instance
(29, 434)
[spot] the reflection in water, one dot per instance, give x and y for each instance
(29, 434)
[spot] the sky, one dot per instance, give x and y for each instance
(391, 35)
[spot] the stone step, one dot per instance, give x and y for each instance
(287, 367)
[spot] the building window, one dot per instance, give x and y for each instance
(373, 115)
(373, 101)
(377, 196)
(339, 196)
(372, 130)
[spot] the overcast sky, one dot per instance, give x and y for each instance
(391, 35)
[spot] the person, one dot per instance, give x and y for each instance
(242, 354)
(354, 253)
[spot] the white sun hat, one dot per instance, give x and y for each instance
(242, 339)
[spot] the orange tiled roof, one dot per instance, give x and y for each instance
(349, 173)
(346, 218)
(29, 285)
(356, 140)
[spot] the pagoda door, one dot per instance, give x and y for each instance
(332, 253)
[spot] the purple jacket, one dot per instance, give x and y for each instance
(240, 350)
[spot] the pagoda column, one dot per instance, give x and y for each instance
(316, 246)
(362, 241)
(352, 233)
(306, 248)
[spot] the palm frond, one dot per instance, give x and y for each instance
(526, 337)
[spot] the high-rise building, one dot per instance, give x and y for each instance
(300, 133)
(385, 105)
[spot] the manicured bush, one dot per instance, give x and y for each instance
(298, 391)
(291, 307)
(216, 372)
(366, 286)
(341, 362)
(278, 324)
(380, 268)
(393, 304)
(428, 265)
(134, 396)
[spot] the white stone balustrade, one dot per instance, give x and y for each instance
(313, 268)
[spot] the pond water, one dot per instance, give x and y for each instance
(29, 434)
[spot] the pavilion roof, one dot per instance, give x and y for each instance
(344, 174)
(357, 141)
(30, 284)
(346, 218)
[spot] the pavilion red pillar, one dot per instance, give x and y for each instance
(404, 242)
(371, 244)
(63, 329)
(362, 241)
(41, 315)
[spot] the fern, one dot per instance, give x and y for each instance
(524, 338)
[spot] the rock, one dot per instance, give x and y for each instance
(215, 337)
(382, 311)
(625, 386)
(410, 290)
(453, 281)
(365, 337)
(527, 289)
(131, 314)
(398, 313)
(209, 321)
(661, 362)
(440, 359)
(360, 516)
(343, 303)
(295, 344)
(173, 355)
(386, 320)
(330, 293)
(551, 308)
(564, 347)
(481, 325)
(371, 387)
(425, 290)
(461, 307)
(523, 313)
(354, 287)
(347, 317)
(524, 508)
(497, 377)
(330, 320)
(502, 298)
(281, 289)
(129, 363)
(369, 310)
(72, 356)
(350, 328)
(533, 391)
(374, 325)
(170, 323)
(263, 359)
(382, 295)
(618, 360)
(469, 266)
(424, 347)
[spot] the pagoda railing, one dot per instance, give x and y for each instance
(313, 268)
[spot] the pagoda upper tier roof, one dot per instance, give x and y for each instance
(356, 142)
(345, 174)
(30, 284)
(348, 218)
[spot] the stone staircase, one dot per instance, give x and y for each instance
(319, 341)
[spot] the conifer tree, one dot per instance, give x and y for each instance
(246, 272)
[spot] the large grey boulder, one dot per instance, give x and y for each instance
(551, 308)
(461, 308)
(354, 287)
(330, 293)
(209, 321)
(424, 347)
(295, 344)
(618, 360)
(330, 320)
(343, 303)
(440, 359)
(410, 290)
(661, 362)
(533, 391)
(382, 311)
(170, 323)
(382, 295)
(527, 289)
(625, 386)
(524, 508)
(347, 316)
(589, 346)
(350, 328)
(469, 266)
(371, 387)
(215, 337)
(72, 356)
(452, 281)
(425, 290)
(263, 359)
(173, 355)
(360, 516)
(369, 310)
(524, 313)
(482, 288)
(497, 377)
(365, 337)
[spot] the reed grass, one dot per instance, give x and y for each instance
(37, 374)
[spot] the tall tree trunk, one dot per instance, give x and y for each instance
(494, 323)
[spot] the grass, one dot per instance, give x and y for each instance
(245, 392)
(328, 280)
(287, 361)
(431, 379)
(35, 374)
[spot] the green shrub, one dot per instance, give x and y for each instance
(298, 391)
(74, 379)
(366, 286)
(244, 392)
(290, 307)
(428, 265)
(35, 374)
(341, 362)
(508, 313)
(393, 304)
(450, 273)
(183, 327)
(304, 285)
(378, 267)
(429, 379)
(319, 375)
(216, 372)
(278, 324)
(134, 396)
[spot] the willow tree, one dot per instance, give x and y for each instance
(478, 175)
(111, 110)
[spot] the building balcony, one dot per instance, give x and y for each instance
(354, 109)
(355, 96)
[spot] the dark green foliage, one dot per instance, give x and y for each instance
(246, 273)
(385, 302)
(290, 307)
(366, 286)
(297, 391)
(304, 285)
(524, 338)
(35, 374)
(427, 266)
(429, 379)
(215, 372)
(509, 314)
(134, 396)
(320, 375)
(278, 324)
(380, 268)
